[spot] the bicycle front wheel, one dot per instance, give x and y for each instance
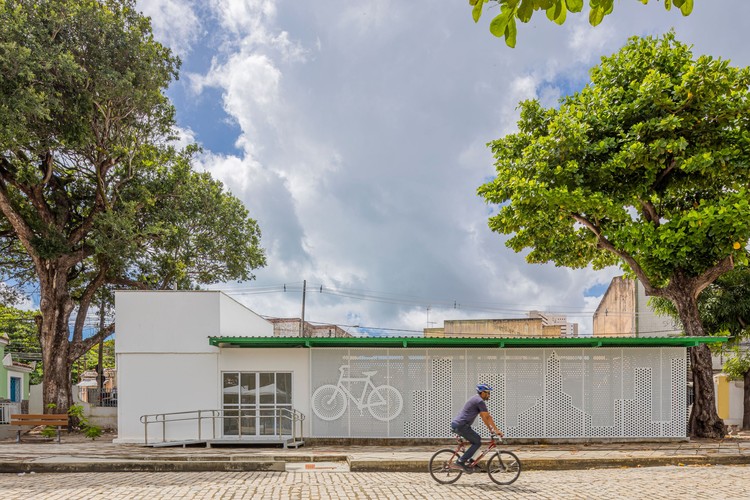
(329, 402)
(443, 467)
(504, 467)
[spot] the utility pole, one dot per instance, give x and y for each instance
(302, 323)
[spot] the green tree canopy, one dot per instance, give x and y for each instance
(23, 335)
(504, 23)
(647, 167)
(92, 191)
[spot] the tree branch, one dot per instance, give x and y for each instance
(649, 212)
(663, 175)
(85, 302)
(708, 277)
(80, 348)
(20, 227)
(603, 242)
(128, 283)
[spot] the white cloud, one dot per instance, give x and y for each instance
(174, 22)
(250, 88)
(362, 141)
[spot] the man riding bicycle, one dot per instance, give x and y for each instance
(461, 425)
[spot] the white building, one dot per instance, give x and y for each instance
(188, 351)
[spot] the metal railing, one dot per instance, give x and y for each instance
(6, 408)
(104, 398)
(283, 419)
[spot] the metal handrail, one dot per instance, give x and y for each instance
(280, 414)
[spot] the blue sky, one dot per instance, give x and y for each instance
(355, 133)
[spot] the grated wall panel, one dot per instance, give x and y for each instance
(538, 393)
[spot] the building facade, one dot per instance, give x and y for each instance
(537, 324)
(190, 351)
(290, 327)
(14, 384)
(624, 311)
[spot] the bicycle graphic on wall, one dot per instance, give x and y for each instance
(330, 401)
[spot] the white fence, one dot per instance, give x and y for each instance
(539, 393)
(8, 409)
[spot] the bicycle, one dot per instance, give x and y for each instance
(330, 401)
(502, 466)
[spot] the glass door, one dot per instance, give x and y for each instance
(257, 403)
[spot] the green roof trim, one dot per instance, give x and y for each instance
(425, 342)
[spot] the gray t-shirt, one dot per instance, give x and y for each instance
(473, 407)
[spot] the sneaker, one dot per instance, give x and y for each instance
(466, 468)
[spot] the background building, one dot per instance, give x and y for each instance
(290, 327)
(537, 324)
(14, 383)
(624, 311)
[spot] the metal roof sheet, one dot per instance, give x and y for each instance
(487, 342)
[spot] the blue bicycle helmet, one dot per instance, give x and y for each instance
(483, 388)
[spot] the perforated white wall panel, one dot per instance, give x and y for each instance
(539, 393)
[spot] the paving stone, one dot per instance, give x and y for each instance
(725, 482)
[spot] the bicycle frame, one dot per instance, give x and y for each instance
(360, 402)
(461, 449)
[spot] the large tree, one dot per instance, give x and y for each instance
(92, 194)
(725, 310)
(646, 167)
(504, 23)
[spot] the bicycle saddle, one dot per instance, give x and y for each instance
(369, 374)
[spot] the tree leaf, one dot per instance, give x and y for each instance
(525, 11)
(595, 16)
(574, 5)
(510, 33)
(476, 12)
(687, 7)
(498, 24)
(557, 12)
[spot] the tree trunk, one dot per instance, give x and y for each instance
(704, 420)
(56, 308)
(746, 402)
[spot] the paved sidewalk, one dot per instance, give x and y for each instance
(77, 454)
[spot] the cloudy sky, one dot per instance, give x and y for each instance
(356, 132)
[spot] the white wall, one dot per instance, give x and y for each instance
(164, 383)
(239, 321)
(164, 359)
(166, 321)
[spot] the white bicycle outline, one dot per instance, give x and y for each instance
(330, 401)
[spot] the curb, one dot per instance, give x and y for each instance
(142, 466)
(276, 464)
(532, 464)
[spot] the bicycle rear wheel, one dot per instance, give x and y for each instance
(504, 467)
(443, 467)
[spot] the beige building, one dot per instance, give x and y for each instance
(536, 325)
(290, 327)
(624, 311)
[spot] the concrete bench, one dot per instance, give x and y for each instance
(34, 420)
